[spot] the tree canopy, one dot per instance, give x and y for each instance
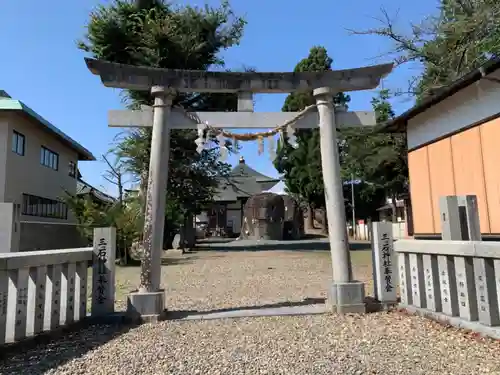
(377, 159)
(156, 33)
(460, 37)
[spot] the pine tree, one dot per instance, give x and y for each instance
(155, 33)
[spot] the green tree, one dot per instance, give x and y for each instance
(121, 214)
(367, 200)
(302, 166)
(377, 159)
(155, 33)
(459, 38)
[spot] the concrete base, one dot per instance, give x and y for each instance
(346, 298)
(148, 307)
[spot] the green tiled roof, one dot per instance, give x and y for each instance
(9, 104)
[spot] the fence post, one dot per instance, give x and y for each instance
(384, 263)
(103, 271)
(455, 227)
(450, 230)
(484, 269)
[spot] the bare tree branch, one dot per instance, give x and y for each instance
(113, 170)
(407, 48)
(110, 180)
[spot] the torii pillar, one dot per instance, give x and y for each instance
(346, 295)
(156, 193)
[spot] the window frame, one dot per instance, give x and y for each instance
(16, 136)
(48, 158)
(72, 169)
(37, 206)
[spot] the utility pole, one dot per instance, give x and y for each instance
(353, 208)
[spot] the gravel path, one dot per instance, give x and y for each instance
(206, 281)
(382, 343)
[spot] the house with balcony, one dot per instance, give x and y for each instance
(38, 163)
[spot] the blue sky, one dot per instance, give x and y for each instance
(41, 65)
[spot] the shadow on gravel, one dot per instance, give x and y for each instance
(187, 258)
(168, 261)
(40, 354)
(372, 306)
(171, 315)
(301, 245)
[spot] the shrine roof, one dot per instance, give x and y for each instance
(243, 181)
(84, 188)
(243, 170)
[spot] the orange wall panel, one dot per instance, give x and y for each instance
(490, 141)
(420, 190)
(442, 180)
(469, 172)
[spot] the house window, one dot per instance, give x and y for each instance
(44, 207)
(18, 142)
(72, 169)
(49, 158)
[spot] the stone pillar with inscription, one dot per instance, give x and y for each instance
(103, 272)
(431, 280)
(417, 280)
(484, 268)
(455, 228)
(384, 264)
(346, 294)
(450, 230)
(404, 279)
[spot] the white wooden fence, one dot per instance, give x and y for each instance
(458, 276)
(44, 290)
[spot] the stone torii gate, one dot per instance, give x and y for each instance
(147, 303)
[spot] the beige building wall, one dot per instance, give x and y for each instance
(24, 174)
(27, 175)
(4, 135)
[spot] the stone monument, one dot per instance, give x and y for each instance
(263, 217)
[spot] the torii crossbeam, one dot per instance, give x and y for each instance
(255, 120)
(233, 120)
(346, 295)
